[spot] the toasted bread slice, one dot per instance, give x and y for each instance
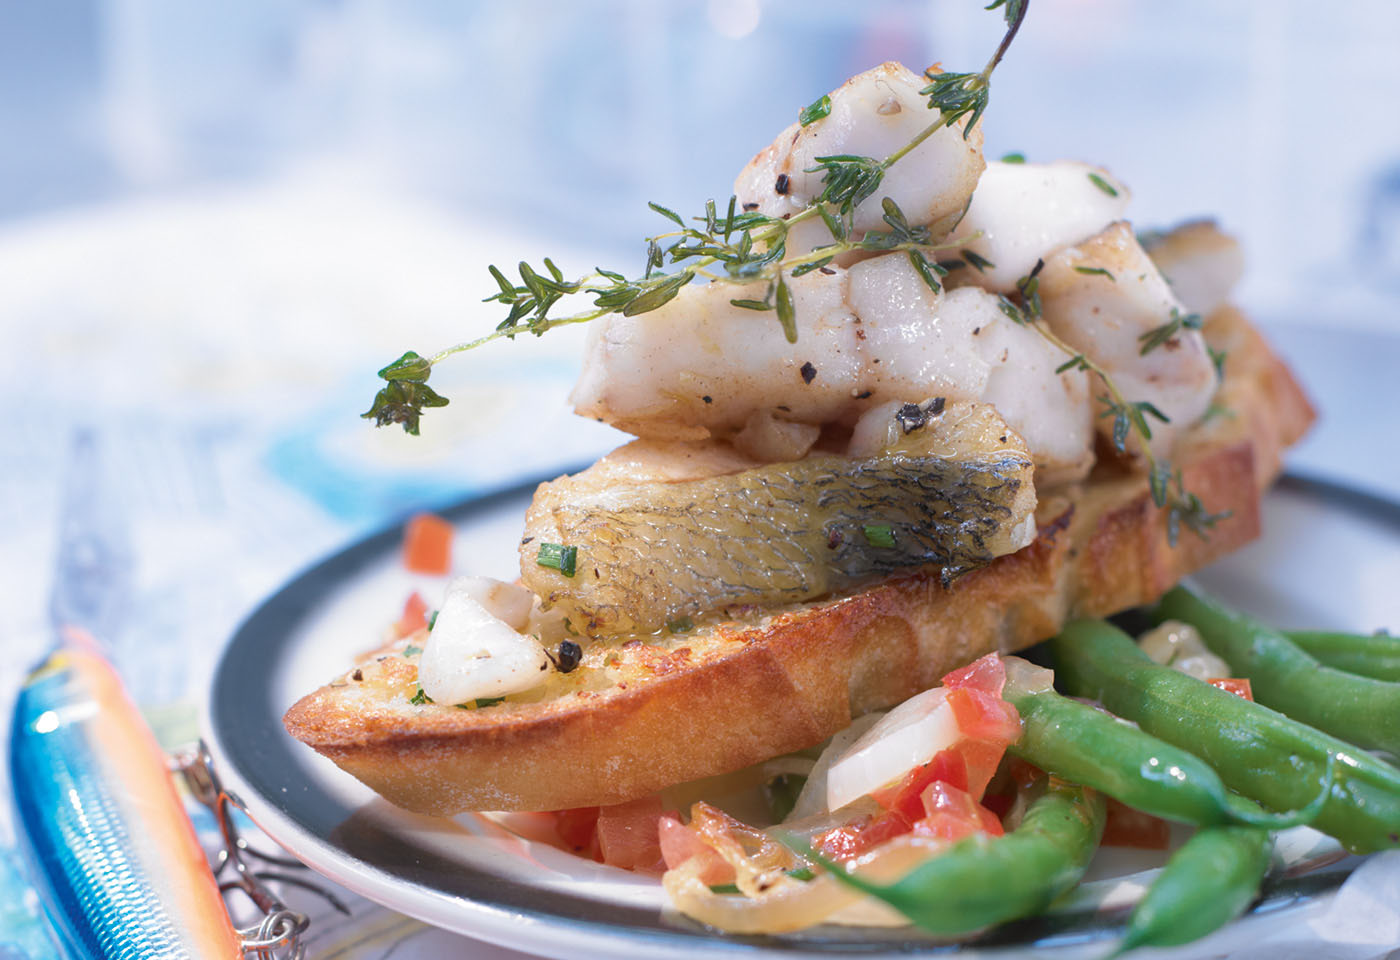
(640, 715)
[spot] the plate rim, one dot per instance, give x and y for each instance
(588, 930)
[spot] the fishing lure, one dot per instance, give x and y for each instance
(112, 849)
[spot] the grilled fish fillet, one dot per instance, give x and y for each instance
(952, 488)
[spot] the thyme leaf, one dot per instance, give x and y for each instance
(1160, 336)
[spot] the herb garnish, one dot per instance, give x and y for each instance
(981, 263)
(879, 534)
(480, 702)
(814, 111)
(412, 650)
(420, 698)
(1166, 485)
(1160, 336)
(1095, 272)
(734, 246)
(558, 557)
(1103, 184)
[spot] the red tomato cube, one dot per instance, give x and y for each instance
(427, 545)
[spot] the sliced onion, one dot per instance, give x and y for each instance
(811, 801)
(1026, 677)
(786, 904)
(906, 737)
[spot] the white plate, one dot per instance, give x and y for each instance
(1329, 558)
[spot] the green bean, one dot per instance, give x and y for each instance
(984, 880)
(1374, 655)
(1210, 881)
(1257, 752)
(1360, 710)
(1084, 745)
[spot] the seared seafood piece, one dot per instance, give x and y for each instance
(656, 532)
(1024, 212)
(700, 367)
(1201, 263)
(872, 115)
(1107, 298)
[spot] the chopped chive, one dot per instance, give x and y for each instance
(1103, 184)
(412, 649)
(559, 557)
(815, 110)
(1013, 158)
(432, 620)
(680, 625)
(480, 702)
(801, 873)
(879, 535)
(420, 698)
(723, 888)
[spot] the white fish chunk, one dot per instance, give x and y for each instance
(699, 366)
(872, 334)
(1026, 211)
(1201, 263)
(872, 115)
(471, 653)
(960, 345)
(1106, 314)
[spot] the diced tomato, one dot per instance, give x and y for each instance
(987, 674)
(984, 716)
(980, 759)
(948, 766)
(866, 833)
(628, 834)
(578, 829)
(680, 843)
(1127, 827)
(415, 616)
(427, 544)
(950, 814)
(1239, 686)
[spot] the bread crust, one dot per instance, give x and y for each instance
(738, 694)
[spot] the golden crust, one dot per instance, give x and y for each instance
(735, 695)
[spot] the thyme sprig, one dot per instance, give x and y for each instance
(1130, 417)
(740, 246)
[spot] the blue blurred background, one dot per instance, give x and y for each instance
(562, 118)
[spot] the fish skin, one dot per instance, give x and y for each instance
(956, 492)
